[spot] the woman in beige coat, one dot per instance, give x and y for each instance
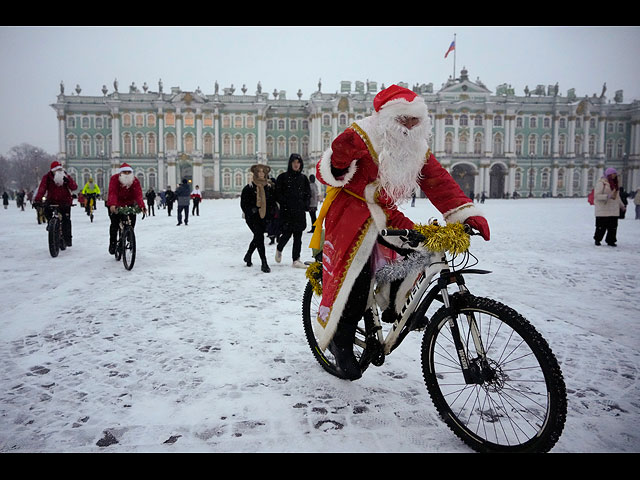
(607, 204)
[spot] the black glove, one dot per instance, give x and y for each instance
(414, 238)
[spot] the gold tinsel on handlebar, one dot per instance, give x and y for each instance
(314, 275)
(440, 238)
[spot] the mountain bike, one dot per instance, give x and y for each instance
(54, 227)
(490, 374)
(126, 242)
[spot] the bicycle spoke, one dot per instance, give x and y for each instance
(503, 401)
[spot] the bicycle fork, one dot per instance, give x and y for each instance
(475, 370)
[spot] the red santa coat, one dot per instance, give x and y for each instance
(121, 196)
(56, 194)
(361, 210)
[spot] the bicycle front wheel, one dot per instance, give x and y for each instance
(512, 396)
(128, 248)
(54, 236)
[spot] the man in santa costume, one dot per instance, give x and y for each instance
(124, 191)
(56, 187)
(374, 166)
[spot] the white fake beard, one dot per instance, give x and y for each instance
(402, 156)
(58, 177)
(126, 180)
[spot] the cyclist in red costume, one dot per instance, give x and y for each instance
(56, 187)
(124, 191)
(375, 165)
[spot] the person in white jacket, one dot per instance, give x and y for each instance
(607, 202)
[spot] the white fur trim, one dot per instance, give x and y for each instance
(461, 213)
(325, 170)
(125, 169)
(400, 106)
(357, 264)
(377, 213)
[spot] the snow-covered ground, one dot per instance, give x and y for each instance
(192, 351)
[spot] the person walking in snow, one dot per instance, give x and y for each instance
(636, 201)
(607, 203)
(169, 197)
(313, 201)
(196, 196)
(151, 199)
(5, 199)
(183, 194)
(257, 202)
(292, 194)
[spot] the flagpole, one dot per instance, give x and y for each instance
(455, 47)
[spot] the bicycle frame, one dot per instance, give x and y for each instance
(418, 302)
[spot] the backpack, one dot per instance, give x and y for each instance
(590, 198)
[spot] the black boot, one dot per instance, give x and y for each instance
(341, 346)
(247, 257)
(263, 257)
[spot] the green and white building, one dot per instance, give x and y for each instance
(540, 143)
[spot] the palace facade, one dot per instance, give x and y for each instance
(540, 143)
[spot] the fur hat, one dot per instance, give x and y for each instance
(125, 167)
(259, 166)
(55, 165)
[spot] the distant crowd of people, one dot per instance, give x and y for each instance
(273, 207)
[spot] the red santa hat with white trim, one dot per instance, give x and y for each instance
(125, 167)
(55, 165)
(396, 100)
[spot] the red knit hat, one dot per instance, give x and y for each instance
(55, 165)
(401, 100)
(125, 167)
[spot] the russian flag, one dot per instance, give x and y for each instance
(451, 47)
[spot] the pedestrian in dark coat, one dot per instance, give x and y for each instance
(5, 199)
(293, 195)
(169, 197)
(183, 194)
(313, 201)
(258, 204)
(151, 201)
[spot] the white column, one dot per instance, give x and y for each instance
(600, 146)
(585, 139)
(556, 138)
(488, 136)
(571, 140)
(62, 145)
(199, 148)
(179, 121)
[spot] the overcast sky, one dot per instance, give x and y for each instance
(35, 60)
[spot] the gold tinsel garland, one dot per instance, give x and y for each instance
(439, 238)
(314, 275)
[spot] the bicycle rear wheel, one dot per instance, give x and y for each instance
(313, 331)
(54, 236)
(514, 399)
(128, 248)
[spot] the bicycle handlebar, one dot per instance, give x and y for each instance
(406, 232)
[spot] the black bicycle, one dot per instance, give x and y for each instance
(54, 229)
(126, 242)
(491, 376)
